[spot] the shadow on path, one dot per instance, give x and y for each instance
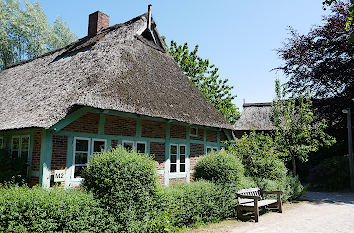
(325, 197)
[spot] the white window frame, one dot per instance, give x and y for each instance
(19, 151)
(89, 153)
(196, 132)
(178, 161)
(212, 148)
(2, 142)
(135, 148)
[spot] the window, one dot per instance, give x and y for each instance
(139, 147)
(1, 142)
(20, 146)
(194, 132)
(83, 151)
(177, 158)
(211, 148)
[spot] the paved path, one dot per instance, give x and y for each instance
(322, 212)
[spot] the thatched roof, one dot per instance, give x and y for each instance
(117, 69)
(255, 116)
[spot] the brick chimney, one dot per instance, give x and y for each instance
(97, 22)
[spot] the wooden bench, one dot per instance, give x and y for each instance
(252, 199)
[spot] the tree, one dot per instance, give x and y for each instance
(296, 133)
(322, 62)
(349, 19)
(25, 32)
(206, 79)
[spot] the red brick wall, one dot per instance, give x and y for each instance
(196, 150)
(178, 131)
(153, 129)
(162, 180)
(36, 153)
(88, 123)
(212, 136)
(200, 135)
(33, 181)
(59, 152)
(158, 150)
(120, 126)
(177, 180)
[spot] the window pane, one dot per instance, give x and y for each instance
(15, 143)
(78, 170)
(80, 158)
(182, 168)
(182, 158)
(173, 168)
(98, 146)
(1, 143)
(173, 159)
(25, 143)
(81, 145)
(24, 154)
(194, 131)
(215, 149)
(208, 149)
(182, 150)
(173, 149)
(128, 145)
(140, 147)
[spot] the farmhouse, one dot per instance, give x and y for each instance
(116, 86)
(255, 116)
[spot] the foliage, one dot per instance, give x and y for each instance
(12, 168)
(321, 61)
(126, 183)
(349, 20)
(206, 79)
(197, 202)
(296, 133)
(260, 156)
(220, 168)
(26, 33)
(56, 210)
(331, 174)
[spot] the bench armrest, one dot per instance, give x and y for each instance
(249, 197)
(272, 192)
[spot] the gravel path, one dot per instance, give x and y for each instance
(321, 212)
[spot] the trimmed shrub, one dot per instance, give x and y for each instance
(221, 168)
(126, 183)
(259, 156)
(331, 174)
(12, 169)
(57, 210)
(197, 202)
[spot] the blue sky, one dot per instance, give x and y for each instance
(237, 36)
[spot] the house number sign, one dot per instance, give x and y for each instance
(59, 175)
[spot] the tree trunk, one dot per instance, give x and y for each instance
(294, 165)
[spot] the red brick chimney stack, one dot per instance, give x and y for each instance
(97, 22)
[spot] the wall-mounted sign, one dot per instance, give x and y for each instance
(59, 175)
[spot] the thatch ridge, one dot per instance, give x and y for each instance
(255, 116)
(118, 72)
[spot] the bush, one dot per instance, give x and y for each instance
(221, 168)
(331, 174)
(12, 168)
(126, 183)
(259, 156)
(197, 202)
(39, 210)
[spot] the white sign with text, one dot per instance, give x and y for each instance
(59, 175)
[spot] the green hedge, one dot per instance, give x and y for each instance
(23, 209)
(126, 183)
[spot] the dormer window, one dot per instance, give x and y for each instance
(194, 132)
